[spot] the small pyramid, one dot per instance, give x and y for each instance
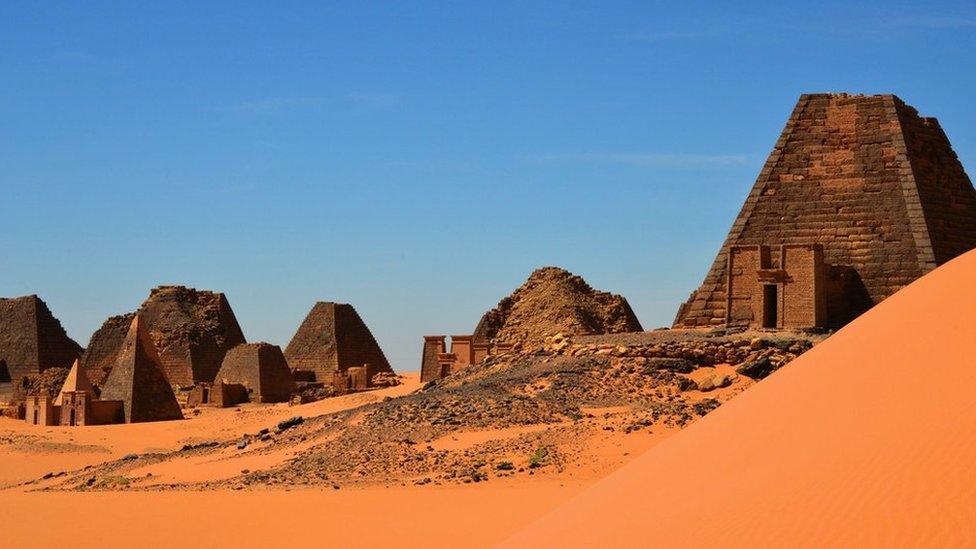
(262, 368)
(76, 381)
(334, 338)
(137, 380)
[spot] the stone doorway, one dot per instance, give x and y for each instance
(770, 305)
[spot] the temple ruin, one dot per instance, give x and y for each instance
(192, 330)
(437, 362)
(859, 197)
(32, 339)
(334, 346)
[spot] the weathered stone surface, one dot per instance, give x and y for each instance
(104, 346)
(866, 178)
(32, 339)
(333, 338)
(192, 331)
(262, 369)
(554, 301)
(138, 381)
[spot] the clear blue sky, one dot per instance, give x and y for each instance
(417, 159)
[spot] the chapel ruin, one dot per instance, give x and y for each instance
(859, 197)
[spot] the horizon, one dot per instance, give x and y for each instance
(418, 164)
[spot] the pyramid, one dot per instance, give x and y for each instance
(333, 338)
(261, 367)
(32, 339)
(138, 381)
(192, 330)
(859, 197)
(551, 301)
(103, 347)
(76, 381)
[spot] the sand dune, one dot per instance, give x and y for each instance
(867, 440)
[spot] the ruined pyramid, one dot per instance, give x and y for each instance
(334, 338)
(261, 367)
(76, 381)
(31, 339)
(192, 330)
(859, 197)
(138, 381)
(551, 301)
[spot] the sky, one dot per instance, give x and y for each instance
(416, 159)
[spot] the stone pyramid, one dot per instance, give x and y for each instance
(137, 380)
(334, 338)
(76, 381)
(859, 197)
(32, 339)
(261, 367)
(192, 330)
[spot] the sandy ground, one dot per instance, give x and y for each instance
(865, 441)
(469, 516)
(466, 515)
(28, 452)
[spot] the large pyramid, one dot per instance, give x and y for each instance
(334, 338)
(192, 330)
(31, 339)
(859, 197)
(138, 381)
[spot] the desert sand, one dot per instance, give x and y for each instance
(866, 440)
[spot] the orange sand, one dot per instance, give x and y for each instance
(54, 449)
(867, 440)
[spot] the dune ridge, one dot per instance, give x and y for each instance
(866, 440)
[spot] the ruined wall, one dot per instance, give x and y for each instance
(840, 176)
(430, 368)
(744, 262)
(32, 339)
(103, 347)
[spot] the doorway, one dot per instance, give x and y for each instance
(71, 417)
(770, 306)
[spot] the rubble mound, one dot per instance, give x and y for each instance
(192, 331)
(48, 382)
(554, 300)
